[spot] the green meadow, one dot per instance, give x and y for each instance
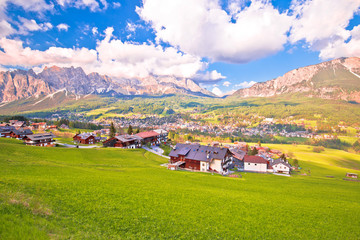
(60, 193)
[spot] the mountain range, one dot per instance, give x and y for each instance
(20, 84)
(337, 79)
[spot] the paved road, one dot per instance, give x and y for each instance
(156, 150)
(74, 146)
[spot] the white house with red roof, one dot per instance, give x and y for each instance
(255, 164)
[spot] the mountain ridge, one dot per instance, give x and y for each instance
(20, 84)
(336, 79)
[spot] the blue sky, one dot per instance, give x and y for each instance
(222, 45)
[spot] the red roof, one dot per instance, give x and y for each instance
(254, 159)
(147, 134)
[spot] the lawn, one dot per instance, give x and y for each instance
(59, 193)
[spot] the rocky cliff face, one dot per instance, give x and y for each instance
(336, 79)
(21, 84)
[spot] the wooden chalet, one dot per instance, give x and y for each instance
(124, 141)
(20, 133)
(85, 138)
(17, 124)
(38, 126)
(162, 135)
(5, 131)
(151, 137)
(201, 158)
(41, 139)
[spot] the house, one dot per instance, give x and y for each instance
(201, 158)
(124, 141)
(351, 175)
(151, 137)
(64, 126)
(238, 158)
(52, 127)
(280, 166)
(38, 126)
(84, 138)
(6, 131)
(20, 133)
(18, 124)
(41, 139)
(162, 135)
(255, 164)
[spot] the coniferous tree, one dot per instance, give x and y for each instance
(130, 130)
(112, 130)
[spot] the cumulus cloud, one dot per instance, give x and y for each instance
(209, 31)
(111, 57)
(217, 91)
(31, 5)
(63, 27)
(226, 83)
(322, 25)
(208, 77)
(245, 84)
(16, 55)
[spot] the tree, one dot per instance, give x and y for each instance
(259, 143)
(138, 130)
(112, 130)
(78, 131)
(130, 130)
(283, 157)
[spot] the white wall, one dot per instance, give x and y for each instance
(281, 167)
(216, 165)
(255, 167)
(204, 166)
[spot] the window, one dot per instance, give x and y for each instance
(255, 164)
(248, 163)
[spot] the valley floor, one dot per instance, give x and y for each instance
(68, 193)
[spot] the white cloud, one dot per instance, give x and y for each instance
(131, 27)
(207, 31)
(93, 5)
(208, 77)
(31, 5)
(94, 30)
(30, 25)
(322, 24)
(63, 27)
(245, 84)
(111, 57)
(217, 91)
(226, 83)
(116, 4)
(16, 55)
(5, 29)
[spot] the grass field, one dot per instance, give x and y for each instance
(59, 193)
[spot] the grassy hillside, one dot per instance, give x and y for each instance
(62, 193)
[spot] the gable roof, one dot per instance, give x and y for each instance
(199, 152)
(40, 136)
(22, 131)
(239, 154)
(147, 134)
(280, 161)
(254, 159)
(84, 135)
(6, 129)
(128, 138)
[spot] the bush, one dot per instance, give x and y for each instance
(318, 149)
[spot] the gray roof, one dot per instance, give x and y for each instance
(128, 138)
(22, 131)
(278, 161)
(198, 152)
(237, 153)
(40, 136)
(7, 129)
(85, 135)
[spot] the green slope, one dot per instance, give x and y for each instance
(62, 193)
